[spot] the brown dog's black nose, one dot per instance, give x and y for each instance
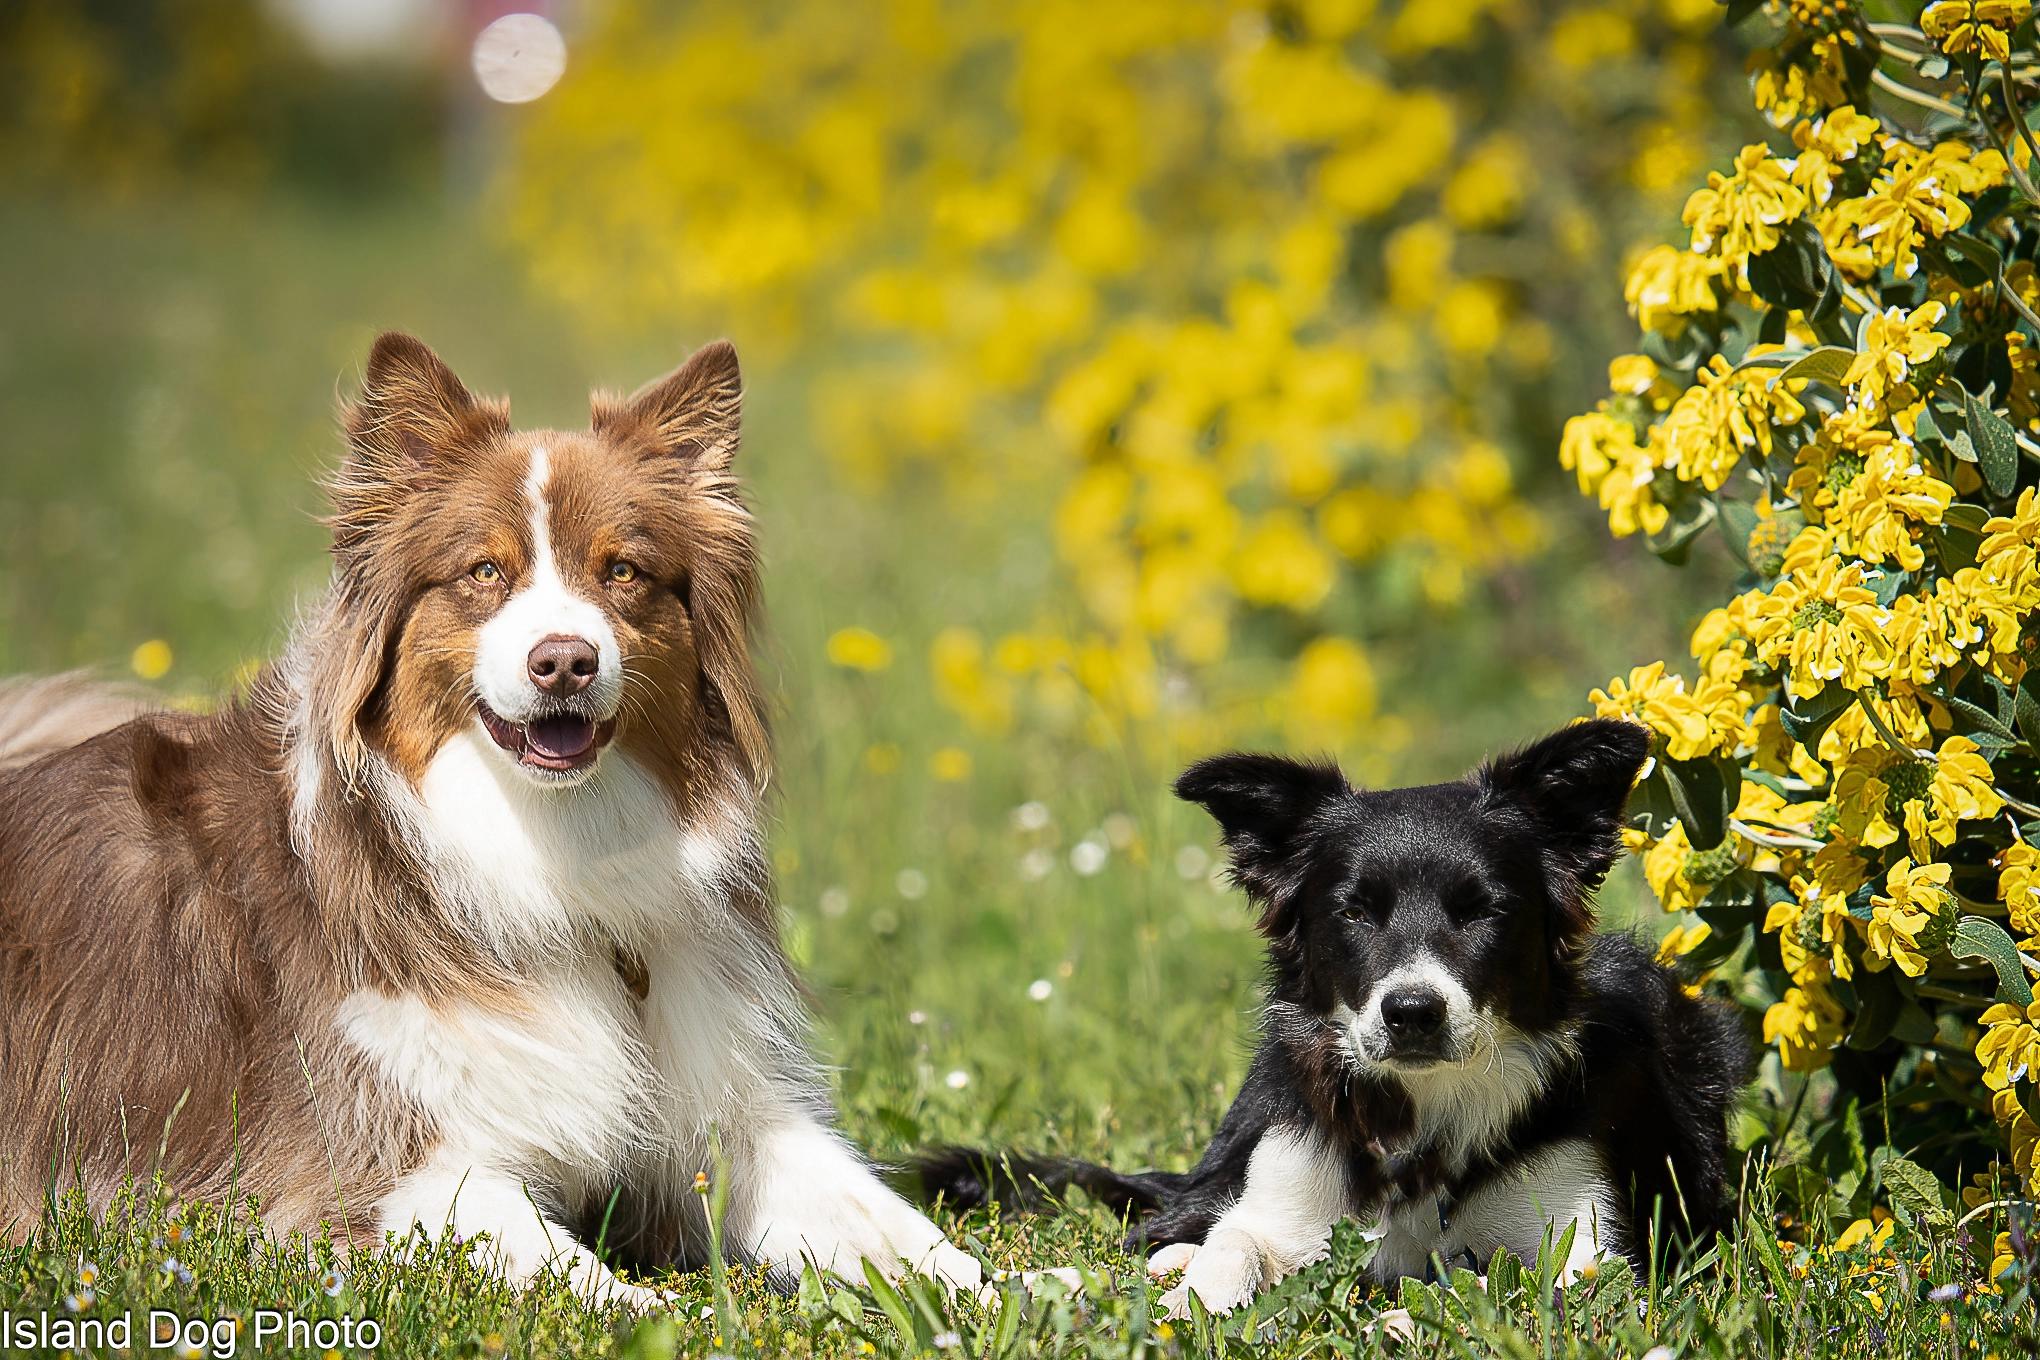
(562, 666)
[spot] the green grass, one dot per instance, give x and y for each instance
(167, 374)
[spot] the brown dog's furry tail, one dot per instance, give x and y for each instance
(44, 713)
(970, 1178)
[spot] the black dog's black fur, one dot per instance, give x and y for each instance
(1492, 876)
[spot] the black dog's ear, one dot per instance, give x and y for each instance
(1261, 803)
(1572, 785)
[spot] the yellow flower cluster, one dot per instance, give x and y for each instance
(1870, 458)
(1256, 294)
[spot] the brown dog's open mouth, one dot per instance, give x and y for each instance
(558, 742)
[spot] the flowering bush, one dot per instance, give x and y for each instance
(1840, 377)
(1263, 297)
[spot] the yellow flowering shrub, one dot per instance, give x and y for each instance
(1265, 298)
(1837, 380)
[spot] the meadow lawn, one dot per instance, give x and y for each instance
(1011, 942)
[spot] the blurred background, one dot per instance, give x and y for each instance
(1124, 382)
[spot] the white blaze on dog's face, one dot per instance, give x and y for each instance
(1418, 1014)
(557, 594)
(548, 673)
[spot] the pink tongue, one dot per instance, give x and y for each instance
(561, 738)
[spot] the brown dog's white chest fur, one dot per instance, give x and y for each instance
(579, 1075)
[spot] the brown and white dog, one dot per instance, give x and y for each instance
(460, 920)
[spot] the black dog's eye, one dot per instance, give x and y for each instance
(1357, 914)
(1476, 906)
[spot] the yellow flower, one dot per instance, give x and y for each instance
(2021, 1133)
(1916, 194)
(1280, 562)
(1633, 375)
(1665, 866)
(1826, 465)
(1805, 1025)
(1879, 792)
(1908, 919)
(1895, 344)
(1824, 143)
(1667, 285)
(1876, 511)
(1487, 188)
(1873, 1233)
(1739, 214)
(1969, 614)
(859, 649)
(1592, 445)
(1694, 724)
(950, 764)
(2019, 889)
(1331, 691)
(1628, 492)
(1682, 940)
(2010, 1046)
(1821, 624)
(1812, 929)
(1723, 414)
(152, 659)
(2023, 396)
(2007, 557)
(963, 682)
(1980, 28)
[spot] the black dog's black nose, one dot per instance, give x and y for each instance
(1413, 1013)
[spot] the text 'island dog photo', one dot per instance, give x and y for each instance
(935, 678)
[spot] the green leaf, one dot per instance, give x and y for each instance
(1650, 805)
(1926, 429)
(1877, 1008)
(1966, 515)
(1828, 364)
(654, 1339)
(1012, 1304)
(1984, 724)
(1886, 584)
(1688, 518)
(1762, 1236)
(892, 1305)
(1997, 452)
(1703, 794)
(1795, 272)
(1504, 1273)
(1980, 253)
(1737, 519)
(812, 1296)
(2026, 708)
(1805, 719)
(1978, 938)
(1913, 1186)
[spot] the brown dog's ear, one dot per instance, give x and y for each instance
(695, 412)
(412, 409)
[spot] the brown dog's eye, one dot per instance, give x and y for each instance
(488, 573)
(623, 573)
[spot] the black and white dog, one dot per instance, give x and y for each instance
(1449, 1049)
